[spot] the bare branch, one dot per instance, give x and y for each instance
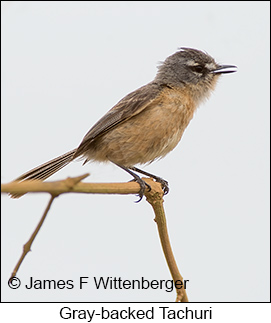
(27, 246)
(69, 185)
(155, 198)
(74, 185)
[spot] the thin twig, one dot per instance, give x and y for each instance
(69, 185)
(155, 198)
(27, 246)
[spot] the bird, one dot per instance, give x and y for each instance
(147, 123)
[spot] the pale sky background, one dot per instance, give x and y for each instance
(64, 65)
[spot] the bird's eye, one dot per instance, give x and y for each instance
(197, 69)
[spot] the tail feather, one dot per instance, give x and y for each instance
(46, 170)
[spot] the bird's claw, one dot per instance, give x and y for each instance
(143, 185)
(164, 184)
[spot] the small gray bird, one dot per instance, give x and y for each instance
(147, 123)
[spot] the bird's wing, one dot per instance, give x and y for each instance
(129, 106)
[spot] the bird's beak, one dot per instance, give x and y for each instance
(223, 69)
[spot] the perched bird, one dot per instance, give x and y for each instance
(147, 123)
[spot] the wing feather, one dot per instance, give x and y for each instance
(129, 106)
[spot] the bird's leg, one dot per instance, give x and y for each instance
(143, 184)
(160, 180)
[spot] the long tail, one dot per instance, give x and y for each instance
(46, 170)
